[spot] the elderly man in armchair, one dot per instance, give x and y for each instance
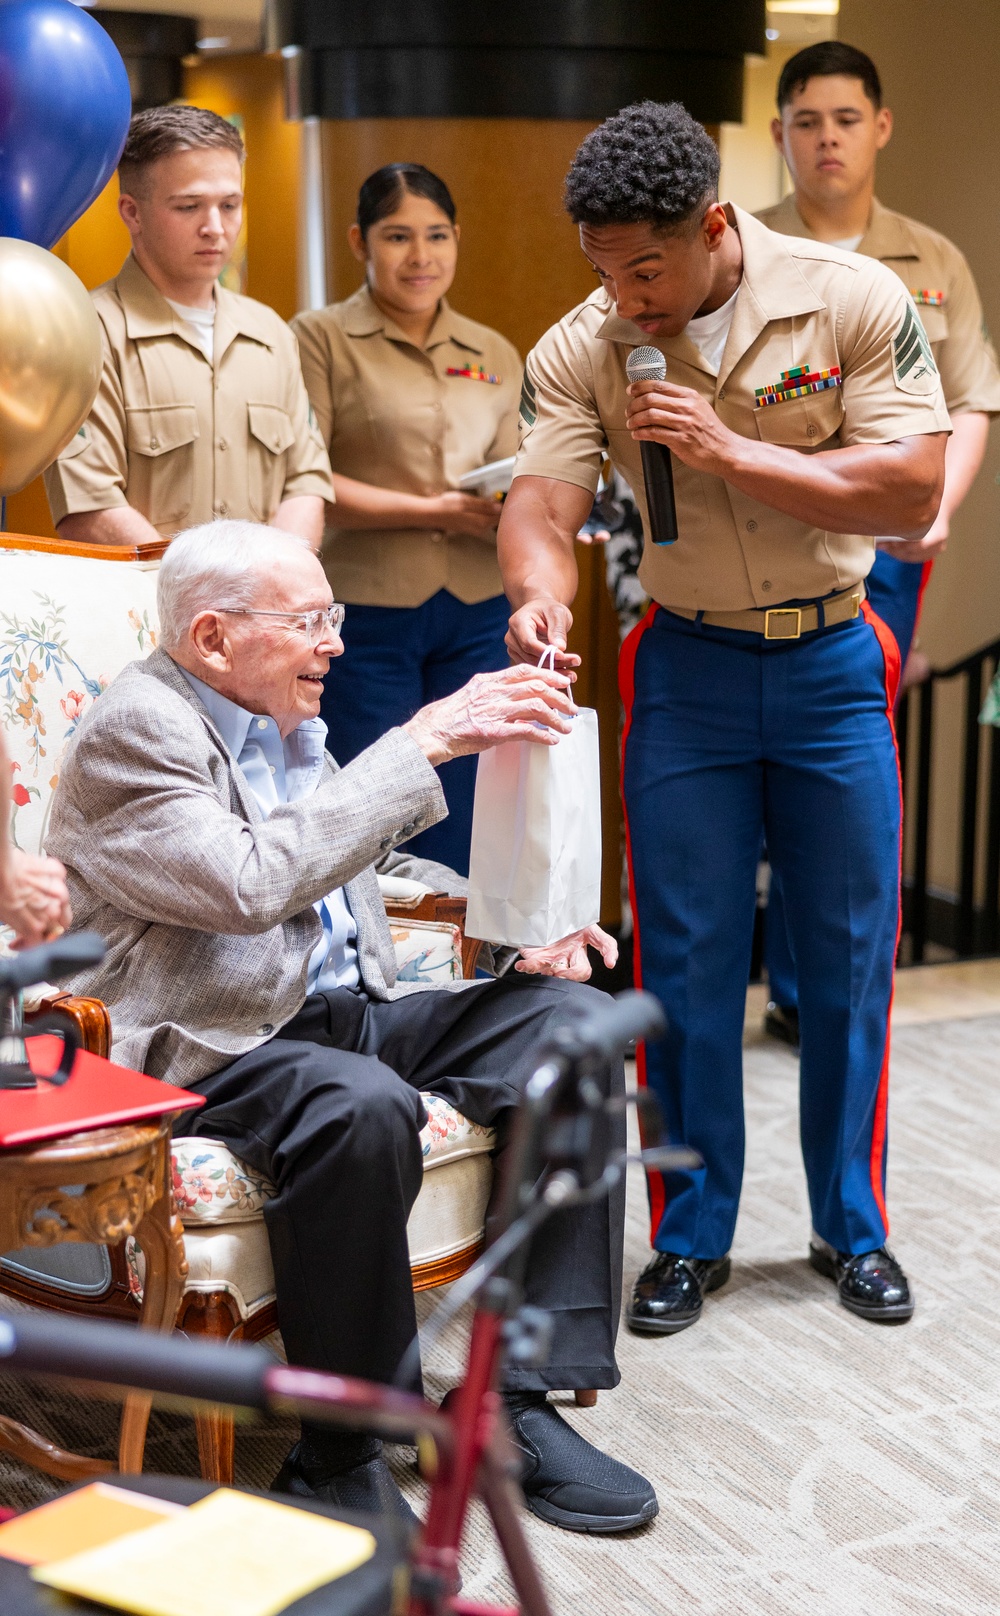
(232, 869)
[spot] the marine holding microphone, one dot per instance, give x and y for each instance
(803, 415)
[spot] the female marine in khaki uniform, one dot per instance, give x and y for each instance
(409, 396)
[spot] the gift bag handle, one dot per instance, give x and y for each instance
(549, 654)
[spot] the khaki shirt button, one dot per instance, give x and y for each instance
(810, 431)
(766, 584)
(722, 395)
(222, 509)
(154, 443)
(751, 526)
(277, 442)
(223, 444)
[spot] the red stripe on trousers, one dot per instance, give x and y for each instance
(890, 654)
(626, 687)
(925, 578)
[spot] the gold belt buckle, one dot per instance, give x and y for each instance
(792, 632)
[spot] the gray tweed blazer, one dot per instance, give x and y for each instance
(205, 905)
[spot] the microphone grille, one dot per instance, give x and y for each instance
(646, 365)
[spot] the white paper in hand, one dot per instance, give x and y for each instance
(535, 865)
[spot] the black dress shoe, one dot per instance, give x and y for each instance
(871, 1284)
(781, 1021)
(667, 1296)
(566, 1480)
(368, 1486)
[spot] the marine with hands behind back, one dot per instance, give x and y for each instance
(202, 411)
(758, 688)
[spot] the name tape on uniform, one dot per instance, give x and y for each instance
(796, 383)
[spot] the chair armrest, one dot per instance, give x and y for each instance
(442, 906)
(89, 1017)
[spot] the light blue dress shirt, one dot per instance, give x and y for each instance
(279, 771)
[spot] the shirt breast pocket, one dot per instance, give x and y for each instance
(270, 436)
(802, 423)
(160, 440)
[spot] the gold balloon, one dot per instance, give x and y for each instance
(50, 359)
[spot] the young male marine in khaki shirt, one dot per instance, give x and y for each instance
(830, 128)
(201, 411)
(803, 412)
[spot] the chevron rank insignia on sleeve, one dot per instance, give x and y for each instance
(912, 359)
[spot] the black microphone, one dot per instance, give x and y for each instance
(648, 365)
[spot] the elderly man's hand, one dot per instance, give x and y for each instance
(33, 898)
(569, 957)
(516, 704)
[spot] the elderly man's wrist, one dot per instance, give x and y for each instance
(428, 740)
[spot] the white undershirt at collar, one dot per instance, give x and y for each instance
(200, 325)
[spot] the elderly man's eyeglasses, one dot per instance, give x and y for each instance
(325, 619)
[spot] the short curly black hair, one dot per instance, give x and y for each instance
(651, 163)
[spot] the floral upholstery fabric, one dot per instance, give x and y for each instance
(426, 950)
(212, 1186)
(68, 625)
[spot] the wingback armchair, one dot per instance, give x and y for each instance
(70, 619)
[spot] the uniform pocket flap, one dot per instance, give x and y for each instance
(155, 431)
(271, 426)
(802, 423)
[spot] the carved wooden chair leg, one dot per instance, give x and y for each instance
(162, 1240)
(585, 1399)
(216, 1435)
(214, 1316)
(30, 1448)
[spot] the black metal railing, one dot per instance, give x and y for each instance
(966, 922)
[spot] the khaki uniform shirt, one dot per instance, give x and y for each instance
(839, 318)
(413, 420)
(179, 439)
(941, 285)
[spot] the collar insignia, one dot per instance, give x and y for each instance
(797, 383)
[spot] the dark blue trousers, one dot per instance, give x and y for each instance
(730, 738)
(397, 659)
(895, 589)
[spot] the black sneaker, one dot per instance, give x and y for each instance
(667, 1296)
(367, 1486)
(781, 1021)
(566, 1480)
(871, 1284)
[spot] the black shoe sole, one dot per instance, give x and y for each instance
(895, 1313)
(673, 1326)
(595, 1525)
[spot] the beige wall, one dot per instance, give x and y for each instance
(938, 63)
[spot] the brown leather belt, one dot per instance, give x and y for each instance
(783, 622)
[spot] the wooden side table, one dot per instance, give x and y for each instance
(100, 1187)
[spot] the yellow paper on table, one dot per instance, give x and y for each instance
(229, 1555)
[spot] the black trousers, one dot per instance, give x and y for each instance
(329, 1111)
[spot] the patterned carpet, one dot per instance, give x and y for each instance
(807, 1463)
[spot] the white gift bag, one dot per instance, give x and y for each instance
(535, 866)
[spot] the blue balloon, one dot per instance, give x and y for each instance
(64, 114)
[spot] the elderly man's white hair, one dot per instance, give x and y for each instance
(217, 565)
